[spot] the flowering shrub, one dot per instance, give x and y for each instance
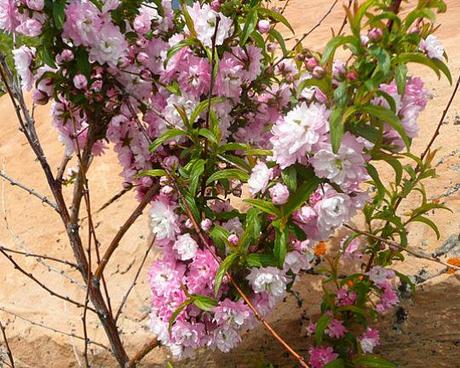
(207, 102)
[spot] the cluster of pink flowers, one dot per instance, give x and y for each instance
(130, 81)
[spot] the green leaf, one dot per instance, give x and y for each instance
(265, 206)
(153, 173)
(321, 325)
(280, 39)
(203, 106)
(253, 224)
(276, 16)
(196, 170)
(338, 363)
(302, 194)
(205, 302)
(260, 260)
(219, 236)
(208, 135)
(336, 127)
(289, 176)
(178, 311)
(417, 57)
(428, 222)
(332, 46)
(372, 171)
(401, 78)
(280, 248)
(223, 268)
(177, 47)
(58, 13)
(389, 117)
(249, 26)
(443, 68)
(169, 134)
(372, 361)
(228, 174)
(356, 20)
(188, 19)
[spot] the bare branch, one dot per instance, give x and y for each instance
(116, 240)
(32, 192)
(7, 345)
(116, 197)
(142, 353)
(39, 283)
(399, 246)
(70, 334)
(134, 283)
(344, 23)
(39, 256)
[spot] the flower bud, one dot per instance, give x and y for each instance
(233, 239)
(146, 74)
(263, 26)
(215, 5)
(318, 72)
(279, 194)
(188, 224)
(375, 34)
(352, 75)
(142, 57)
(80, 81)
(67, 55)
(206, 224)
(39, 97)
(166, 190)
(311, 63)
(35, 4)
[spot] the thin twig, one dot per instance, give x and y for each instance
(134, 283)
(116, 240)
(116, 197)
(32, 192)
(39, 283)
(40, 256)
(399, 246)
(46, 327)
(61, 169)
(443, 116)
(7, 345)
(345, 19)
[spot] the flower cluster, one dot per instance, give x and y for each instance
(200, 103)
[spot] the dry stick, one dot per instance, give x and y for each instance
(70, 334)
(70, 221)
(39, 283)
(259, 317)
(8, 349)
(115, 198)
(61, 169)
(134, 283)
(142, 353)
(318, 24)
(116, 240)
(39, 256)
(399, 246)
(32, 192)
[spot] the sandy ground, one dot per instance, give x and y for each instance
(424, 332)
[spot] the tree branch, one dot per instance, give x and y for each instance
(142, 353)
(7, 345)
(32, 192)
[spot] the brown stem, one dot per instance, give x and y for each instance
(345, 19)
(142, 353)
(7, 345)
(116, 240)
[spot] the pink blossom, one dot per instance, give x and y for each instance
(432, 47)
(260, 177)
(336, 329)
(163, 220)
(263, 26)
(185, 247)
(110, 45)
(296, 134)
(82, 24)
(236, 314)
(296, 261)
(23, 57)
(228, 81)
(279, 193)
(388, 299)
(80, 81)
(226, 338)
(233, 239)
(345, 297)
(8, 15)
(321, 355)
(206, 224)
(250, 61)
(143, 22)
(203, 268)
(35, 4)
(268, 279)
(195, 76)
(30, 27)
(380, 276)
(369, 340)
(205, 20)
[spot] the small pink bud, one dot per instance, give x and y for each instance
(188, 224)
(206, 224)
(279, 194)
(364, 40)
(271, 47)
(233, 239)
(171, 162)
(80, 81)
(67, 55)
(215, 5)
(352, 75)
(311, 63)
(166, 190)
(164, 180)
(142, 57)
(146, 74)
(318, 72)
(263, 26)
(375, 34)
